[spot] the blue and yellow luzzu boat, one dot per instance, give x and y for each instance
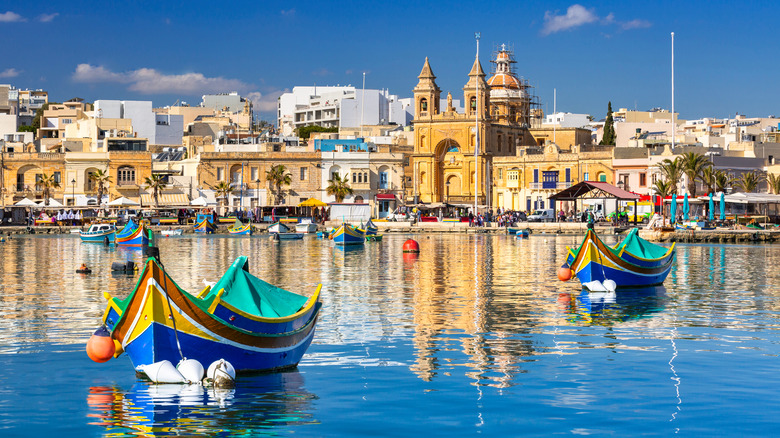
(252, 324)
(240, 228)
(205, 226)
(369, 229)
(132, 235)
(594, 260)
(640, 252)
(346, 234)
(98, 233)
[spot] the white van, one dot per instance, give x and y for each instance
(546, 215)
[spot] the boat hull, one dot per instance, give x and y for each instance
(596, 261)
(99, 237)
(278, 228)
(287, 236)
(205, 226)
(348, 235)
(306, 228)
(244, 230)
(132, 235)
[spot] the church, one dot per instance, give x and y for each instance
(501, 109)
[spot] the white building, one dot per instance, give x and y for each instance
(230, 102)
(159, 129)
(335, 107)
(566, 120)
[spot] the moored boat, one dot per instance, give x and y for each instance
(595, 261)
(240, 228)
(278, 227)
(167, 233)
(369, 229)
(306, 226)
(132, 235)
(346, 234)
(252, 324)
(205, 226)
(287, 236)
(99, 233)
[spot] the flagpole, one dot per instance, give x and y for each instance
(476, 138)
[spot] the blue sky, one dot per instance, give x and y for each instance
(591, 52)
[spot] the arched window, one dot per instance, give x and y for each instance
(358, 199)
(473, 103)
(453, 149)
(500, 138)
(125, 176)
(423, 105)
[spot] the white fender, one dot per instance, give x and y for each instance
(222, 374)
(191, 370)
(162, 372)
(609, 285)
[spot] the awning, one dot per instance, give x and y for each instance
(312, 202)
(166, 199)
(385, 197)
(594, 190)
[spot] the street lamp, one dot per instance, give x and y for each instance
(447, 198)
(257, 192)
(73, 197)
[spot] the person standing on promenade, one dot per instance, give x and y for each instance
(471, 219)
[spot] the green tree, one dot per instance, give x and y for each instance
(26, 128)
(774, 183)
(722, 180)
(304, 132)
(157, 183)
(672, 171)
(49, 184)
(277, 177)
(339, 187)
(693, 165)
(708, 177)
(609, 128)
(223, 189)
(663, 189)
(101, 180)
(748, 182)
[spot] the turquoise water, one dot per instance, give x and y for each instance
(474, 336)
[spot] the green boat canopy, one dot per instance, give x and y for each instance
(640, 247)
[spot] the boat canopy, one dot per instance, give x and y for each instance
(253, 295)
(637, 246)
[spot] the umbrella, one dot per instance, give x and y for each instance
(26, 203)
(685, 208)
(200, 201)
(312, 202)
(121, 202)
(52, 203)
(722, 206)
(673, 209)
(711, 209)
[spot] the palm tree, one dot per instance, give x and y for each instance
(339, 187)
(708, 177)
(48, 182)
(223, 189)
(748, 182)
(663, 189)
(672, 171)
(693, 165)
(774, 183)
(277, 177)
(722, 180)
(102, 179)
(157, 183)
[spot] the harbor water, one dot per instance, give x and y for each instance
(474, 336)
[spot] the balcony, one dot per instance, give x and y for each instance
(363, 186)
(550, 185)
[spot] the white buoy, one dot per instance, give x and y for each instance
(191, 370)
(222, 374)
(162, 372)
(609, 285)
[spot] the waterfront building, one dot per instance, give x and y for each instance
(56, 118)
(443, 164)
(526, 181)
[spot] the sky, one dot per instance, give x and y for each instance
(590, 52)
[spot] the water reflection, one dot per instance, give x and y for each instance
(609, 308)
(259, 405)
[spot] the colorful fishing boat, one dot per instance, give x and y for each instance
(306, 226)
(98, 233)
(132, 235)
(637, 263)
(252, 324)
(240, 229)
(346, 234)
(205, 226)
(369, 229)
(278, 227)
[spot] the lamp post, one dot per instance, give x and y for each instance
(257, 192)
(73, 193)
(447, 198)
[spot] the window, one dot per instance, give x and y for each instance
(586, 176)
(57, 177)
(602, 177)
(67, 121)
(536, 175)
(642, 179)
(473, 103)
(254, 171)
(303, 174)
(550, 179)
(568, 175)
(125, 176)
(220, 174)
(513, 175)
(354, 177)
(423, 104)
(383, 180)
(500, 173)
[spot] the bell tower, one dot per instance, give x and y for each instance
(476, 81)
(426, 94)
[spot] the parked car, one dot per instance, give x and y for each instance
(398, 216)
(545, 215)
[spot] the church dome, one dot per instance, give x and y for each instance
(504, 77)
(504, 80)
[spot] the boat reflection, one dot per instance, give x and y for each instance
(609, 308)
(257, 406)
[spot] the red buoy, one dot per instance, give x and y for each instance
(100, 346)
(564, 272)
(411, 246)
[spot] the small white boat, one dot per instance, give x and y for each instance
(305, 226)
(278, 227)
(287, 236)
(166, 233)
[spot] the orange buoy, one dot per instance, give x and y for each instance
(564, 272)
(100, 346)
(411, 246)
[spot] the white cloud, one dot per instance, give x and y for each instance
(45, 18)
(576, 16)
(265, 102)
(288, 12)
(635, 24)
(151, 81)
(10, 17)
(9, 73)
(322, 72)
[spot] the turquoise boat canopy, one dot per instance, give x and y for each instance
(253, 295)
